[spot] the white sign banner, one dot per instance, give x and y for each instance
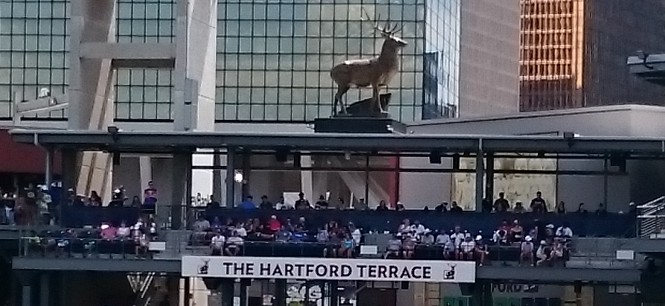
(329, 269)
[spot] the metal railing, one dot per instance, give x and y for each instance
(651, 218)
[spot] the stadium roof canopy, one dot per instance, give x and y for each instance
(167, 142)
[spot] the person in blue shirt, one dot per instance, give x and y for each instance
(248, 203)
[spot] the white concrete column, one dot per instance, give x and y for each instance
(145, 170)
(196, 47)
(306, 178)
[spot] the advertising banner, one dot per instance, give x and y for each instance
(329, 269)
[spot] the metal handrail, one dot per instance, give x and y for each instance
(651, 217)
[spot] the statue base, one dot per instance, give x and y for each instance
(350, 124)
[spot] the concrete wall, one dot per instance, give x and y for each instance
(489, 57)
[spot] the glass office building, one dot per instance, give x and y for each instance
(273, 56)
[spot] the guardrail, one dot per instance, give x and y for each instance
(651, 218)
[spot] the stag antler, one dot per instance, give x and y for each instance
(387, 28)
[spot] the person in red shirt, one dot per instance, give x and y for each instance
(274, 224)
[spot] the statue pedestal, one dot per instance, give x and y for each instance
(351, 124)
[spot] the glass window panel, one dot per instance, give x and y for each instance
(273, 11)
(243, 112)
(246, 11)
(259, 11)
(230, 112)
(257, 112)
(122, 110)
(272, 62)
(270, 112)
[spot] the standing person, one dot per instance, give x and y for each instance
(149, 195)
(526, 251)
(265, 204)
(43, 204)
(302, 203)
(362, 205)
(321, 203)
(561, 208)
(538, 204)
(501, 205)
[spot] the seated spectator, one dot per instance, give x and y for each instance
(457, 237)
(549, 233)
(265, 204)
(394, 248)
(201, 224)
(347, 247)
(481, 250)
(242, 229)
(283, 235)
(467, 248)
(335, 241)
(564, 233)
(558, 252)
(248, 203)
(216, 225)
(217, 244)
(302, 203)
(427, 238)
(299, 234)
(519, 208)
(516, 232)
(444, 240)
(501, 237)
(123, 230)
(322, 236)
(526, 251)
(543, 254)
(273, 224)
(400, 206)
(356, 235)
(456, 208)
(109, 232)
(321, 203)
(417, 229)
(408, 246)
(443, 207)
(405, 227)
(382, 206)
(234, 244)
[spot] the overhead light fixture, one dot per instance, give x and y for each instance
(238, 177)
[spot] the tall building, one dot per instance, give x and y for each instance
(489, 69)
(573, 52)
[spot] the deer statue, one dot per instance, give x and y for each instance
(376, 72)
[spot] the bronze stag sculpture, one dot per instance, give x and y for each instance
(376, 72)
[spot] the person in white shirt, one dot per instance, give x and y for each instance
(405, 227)
(355, 233)
(543, 254)
(123, 230)
(217, 244)
(526, 251)
(444, 240)
(418, 229)
(564, 231)
(241, 230)
(467, 248)
(234, 244)
(458, 237)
